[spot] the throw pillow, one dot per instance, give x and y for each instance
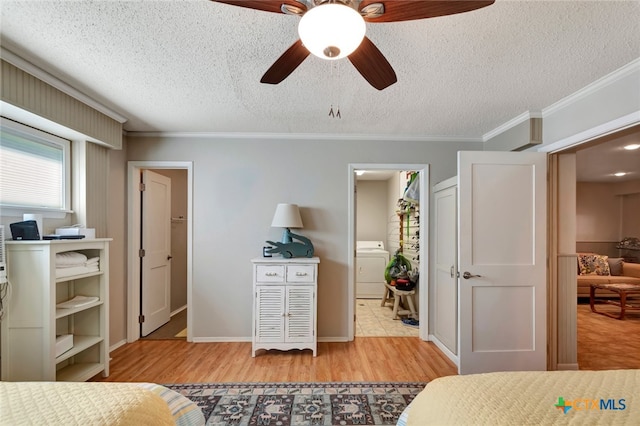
(615, 265)
(579, 255)
(593, 264)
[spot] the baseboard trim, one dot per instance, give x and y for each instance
(117, 345)
(220, 339)
(453, 357)
(333, 339)
(568, 367)
(177, 311)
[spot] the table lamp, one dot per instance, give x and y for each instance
(287, 216)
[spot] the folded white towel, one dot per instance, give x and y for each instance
(70, 258)
(92, 261)
(77, 301)
(76, 270)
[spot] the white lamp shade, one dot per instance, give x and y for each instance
(331, 31)
(287, 216)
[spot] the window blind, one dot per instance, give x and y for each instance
(32, 169)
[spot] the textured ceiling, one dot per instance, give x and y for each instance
(195, 66)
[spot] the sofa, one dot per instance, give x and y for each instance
(598, 269)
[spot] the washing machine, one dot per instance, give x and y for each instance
(371, 261)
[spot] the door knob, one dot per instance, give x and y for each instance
(169, 257)
(466, 275)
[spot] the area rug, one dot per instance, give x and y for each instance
(300, 404)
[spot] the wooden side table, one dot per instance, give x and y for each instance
(407, 295)
(622, 290)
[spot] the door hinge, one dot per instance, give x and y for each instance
(141, 319)
(142, 187)
(141, 253)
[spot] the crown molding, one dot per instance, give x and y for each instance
(630, 68)
(510, 124)
(43, 75)
(620, 73)
(300, 136)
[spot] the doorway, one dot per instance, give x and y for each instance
(419, 249)
(134, 231)
(174, 314)
(564, 240)
(605, 213)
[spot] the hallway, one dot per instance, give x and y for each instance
(177, 323)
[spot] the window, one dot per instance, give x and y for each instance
(34, 169)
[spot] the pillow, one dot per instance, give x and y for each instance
(593, 264)
(615, 265)
(580, 254)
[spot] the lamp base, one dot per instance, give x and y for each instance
(286, 236)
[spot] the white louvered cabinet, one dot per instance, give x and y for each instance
(284, 303)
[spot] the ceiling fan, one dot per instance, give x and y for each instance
(334, 29)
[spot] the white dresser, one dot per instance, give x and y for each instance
(285, 303)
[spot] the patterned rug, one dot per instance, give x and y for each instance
(300, 404)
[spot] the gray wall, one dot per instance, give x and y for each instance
(371, 210)
(237, 184)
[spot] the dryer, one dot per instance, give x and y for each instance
(371, 261)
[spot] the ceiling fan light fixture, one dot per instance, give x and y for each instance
(331, 31)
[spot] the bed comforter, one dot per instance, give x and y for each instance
(529, 398)
(94, 403)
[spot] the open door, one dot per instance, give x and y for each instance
(445, 284)
(156, 245)
(502, 261)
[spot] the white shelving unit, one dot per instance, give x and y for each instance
(285, 303)
(32, 320)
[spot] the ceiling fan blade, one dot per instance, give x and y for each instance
(265, 5)
(406, 10)
(286, 64)
(372, 64)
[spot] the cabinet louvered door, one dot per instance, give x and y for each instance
(270, 313)
(299, 314)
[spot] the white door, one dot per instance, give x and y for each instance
(445, 291)
(502, 261)
(156, 243)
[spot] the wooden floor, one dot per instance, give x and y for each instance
(377, 359)
(603, 343)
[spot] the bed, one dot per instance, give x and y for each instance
(95, 403)
(528, 398)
